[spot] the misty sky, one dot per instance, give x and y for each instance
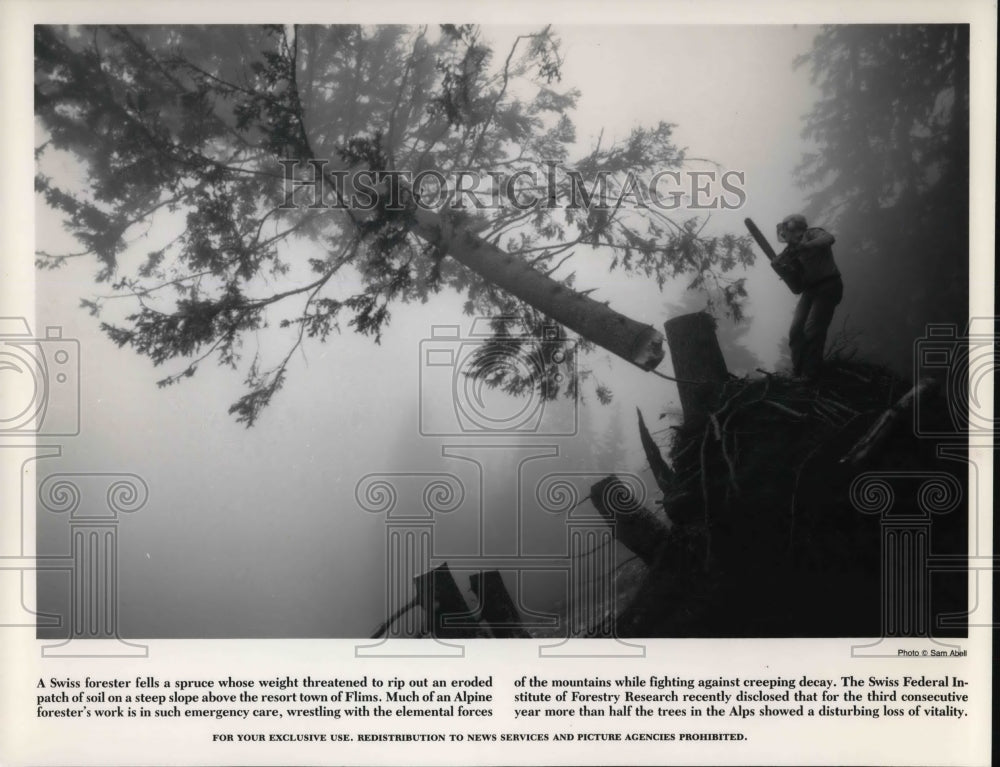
(257, 532)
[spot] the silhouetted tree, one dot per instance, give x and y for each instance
(890, 175)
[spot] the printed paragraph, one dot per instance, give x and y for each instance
(281, 697)
(672, 696)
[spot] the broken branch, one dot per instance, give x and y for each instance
(886, 423)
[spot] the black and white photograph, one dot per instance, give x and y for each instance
(389, 338)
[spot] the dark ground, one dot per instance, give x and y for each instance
(765, 540)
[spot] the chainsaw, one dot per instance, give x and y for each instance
(786, 267)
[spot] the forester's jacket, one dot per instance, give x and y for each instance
(815, 253)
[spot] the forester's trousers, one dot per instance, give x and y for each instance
(813, 315)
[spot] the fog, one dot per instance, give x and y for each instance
(259, 533)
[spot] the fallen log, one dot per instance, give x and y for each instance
(865, 447)
(635, 526)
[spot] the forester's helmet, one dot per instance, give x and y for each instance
(790, 226)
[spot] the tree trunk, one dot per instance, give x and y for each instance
(635, 526)
(496, 606)
(640, 344)
(698, 364)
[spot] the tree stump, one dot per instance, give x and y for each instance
(698, 363)
(447, 613)
(497, 607)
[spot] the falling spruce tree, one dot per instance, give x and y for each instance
(218, 131)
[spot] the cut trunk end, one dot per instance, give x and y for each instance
(648, 350)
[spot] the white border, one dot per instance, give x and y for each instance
(26, 741)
